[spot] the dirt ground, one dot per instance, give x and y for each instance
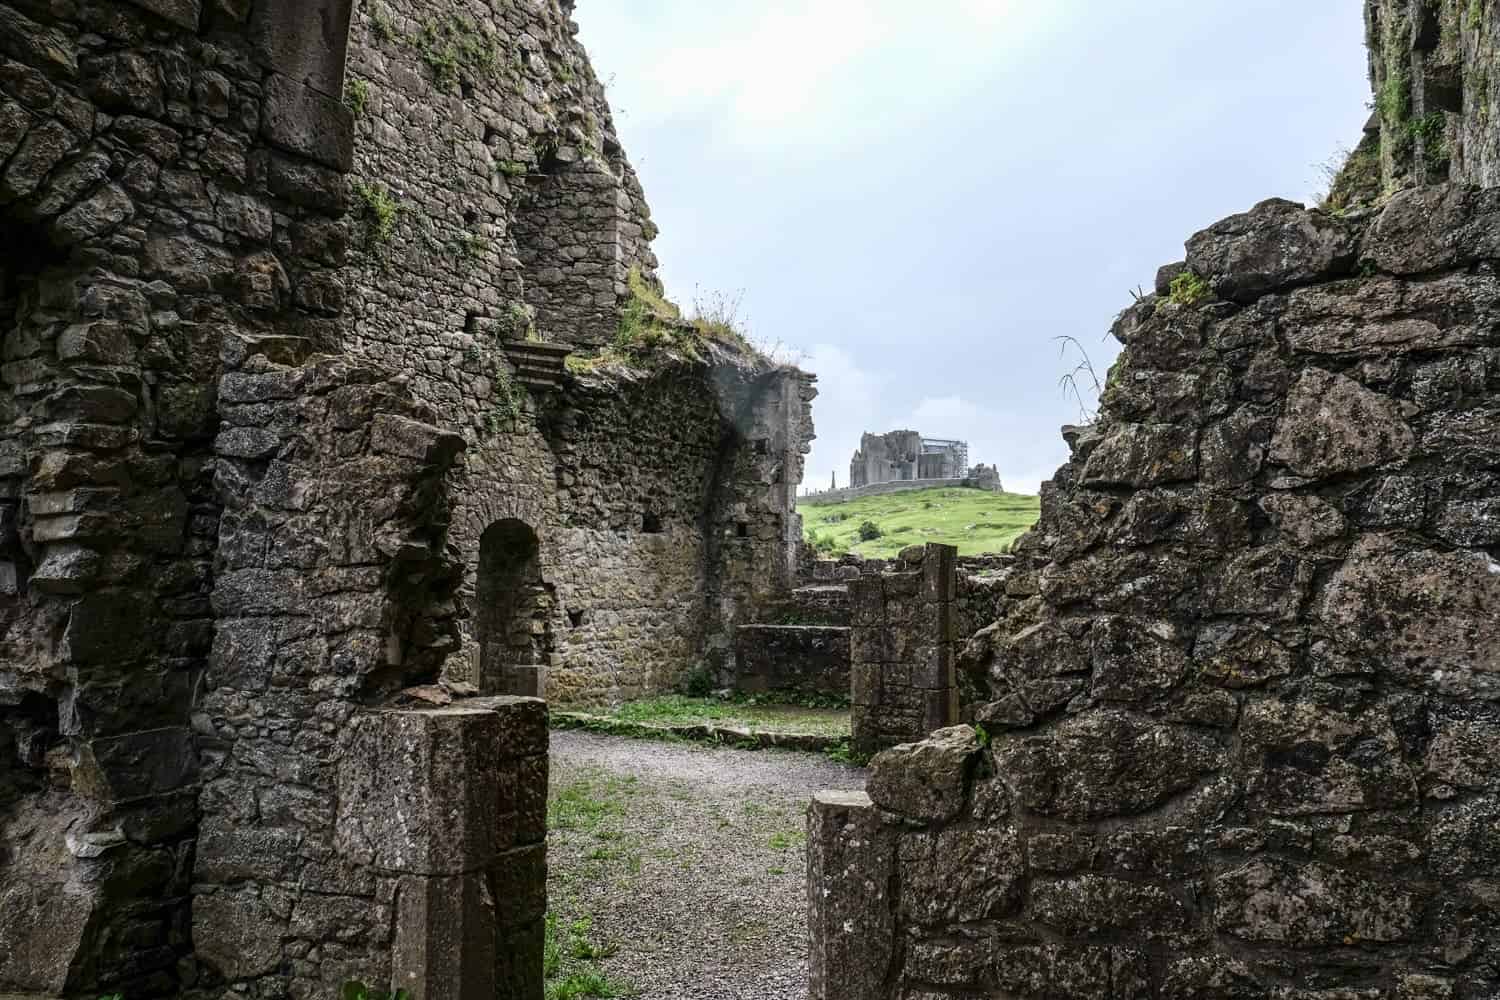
(678, 871)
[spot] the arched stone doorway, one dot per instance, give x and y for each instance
(512, 611)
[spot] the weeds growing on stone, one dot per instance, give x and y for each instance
(381, 212)
(454, 44)
(356, 95)
(383, 24)
(1188, 289)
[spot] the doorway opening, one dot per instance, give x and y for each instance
(513, 611)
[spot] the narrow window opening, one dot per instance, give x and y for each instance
(651, 523)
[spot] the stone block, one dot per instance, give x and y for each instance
(1278, 901)
(961, 874)
(1106, 763)
(1306, 759)
(392, 434)
(1142, 455)
(1277, 244)
(523, 723)
(237, 934)
(301, 120)
(851, 923)
(45, 931)
(419, 791)
(1334, 425)
(303, 40)
(183, 13)
(925, 781)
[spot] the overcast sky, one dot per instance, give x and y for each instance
(918, 198)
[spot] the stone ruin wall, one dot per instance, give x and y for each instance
(247, 459)
(518, 215)
(1436, 96)
(1239, 720)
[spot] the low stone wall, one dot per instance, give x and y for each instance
(901, 646)
(806, 659)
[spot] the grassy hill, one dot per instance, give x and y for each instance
(974, 520)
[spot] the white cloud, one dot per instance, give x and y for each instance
(817, 76)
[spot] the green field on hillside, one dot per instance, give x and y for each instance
(974, 520)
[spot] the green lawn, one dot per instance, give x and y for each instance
(974, 520)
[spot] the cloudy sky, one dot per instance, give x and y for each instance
(917, 199)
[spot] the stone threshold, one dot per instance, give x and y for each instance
(727, 736)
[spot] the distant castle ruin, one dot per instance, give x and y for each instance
(899, 456)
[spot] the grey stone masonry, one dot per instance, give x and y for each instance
(901, 649)
(1241, 695)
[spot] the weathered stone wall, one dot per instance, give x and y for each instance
(1244, 744)
(158, 163)
(902, 656)
(795, 659)
(256, 419)
(662, 500)
(1431, 67)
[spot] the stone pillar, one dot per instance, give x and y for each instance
(452, 803)
(901, 649)
(851, 925)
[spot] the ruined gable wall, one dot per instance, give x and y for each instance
(1245, 744)
(517, 214)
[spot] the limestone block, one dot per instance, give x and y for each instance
(1307, 759)
(851, 925)
(1431, 618)
(1078, 973)
(1278, 901)
(1106, 763)
(237, 934)
(302, 120)
(1275, 245)
(1135, 660)
(1334, 425)
(419, 791)
(1091, 905)
(1143, 455)
(45, 930)
(925, 781)
(393, 434)
(961, 874)
(184, 13)
(1433, 228)
(303, 41)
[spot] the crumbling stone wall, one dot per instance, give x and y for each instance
(1245, 746)
(1434, 97)
(662, 499)
(901, 649)
(256, 418)
(151, 184)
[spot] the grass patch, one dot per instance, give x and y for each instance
(587, 803)
(743, 713)
(976, 521)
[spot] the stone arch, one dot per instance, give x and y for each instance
(512, 611)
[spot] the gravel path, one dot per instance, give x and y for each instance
(683, 865)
